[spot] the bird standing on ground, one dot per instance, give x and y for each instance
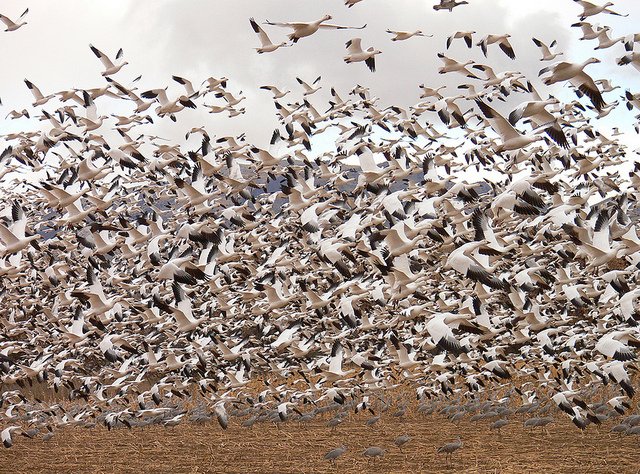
(450, 448)
(334, 454)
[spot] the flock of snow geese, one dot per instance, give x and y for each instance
(280, 283)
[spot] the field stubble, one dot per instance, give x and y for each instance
(299, 448)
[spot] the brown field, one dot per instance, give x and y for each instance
(294, 448)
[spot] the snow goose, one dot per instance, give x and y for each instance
(276, 296)
(590, 9)
(431, 92)
(266, 159)
(605, 41)
(92, 121)
(230, 98)
(619, 404)
(141, 105)
(277, 93)
(356, 54)
(76, 331)
(505, 81)
(183, 311)
(215, 84)
(626, 302)
(94, 295)
(447, 108)
(167, 107)
(540, 117)
(511, 138)
(234, 353)
(285, 339)
(109, 67)
(108, 347)
(14, 240)
(501, 40)
(16, 114)
(309, 89)
(613, 345)
(188, 86)
(37, 95)
(195, 193)
(236, 112)
(266, 45)
(460, 261)
(5, 435)
(58, 197)
(606, 86)
(467, 36)
(497, 368)
(451, 65)
(181, 270)
(617, 372)
(10, 24)
(588, 33)
(303, 29)
(574, 73)
(217, 109)
(405, 35)
(406, 360)
(335, 372)
(631, 58)
(547, 55)
(440, 329)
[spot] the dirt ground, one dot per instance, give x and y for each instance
(297, 448)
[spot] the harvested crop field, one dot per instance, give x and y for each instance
(298, 448)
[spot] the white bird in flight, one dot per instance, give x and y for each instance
(14, 25)
(356, 54)
(267, 46)
(109, 67)
(405, 35)
(302, 29)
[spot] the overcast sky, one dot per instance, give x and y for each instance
(201, 38)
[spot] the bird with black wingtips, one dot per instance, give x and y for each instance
(14, 25)
(266, 45)
(109, 67)
(356, 54)
(304, 29)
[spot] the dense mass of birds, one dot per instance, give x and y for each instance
(145, 281)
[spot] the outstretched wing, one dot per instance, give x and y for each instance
(7, 21)
(106, 62)
(354, 46)
(371, 63)
(264, 39)
(284, 23)
(340, 27)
